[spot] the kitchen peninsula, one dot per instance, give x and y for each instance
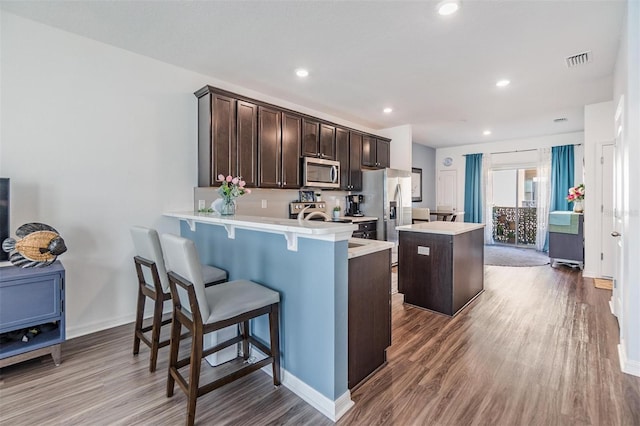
(307, 263)
(442, 267)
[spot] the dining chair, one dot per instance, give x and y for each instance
(420, 214)
(203, 310)
(153, 283)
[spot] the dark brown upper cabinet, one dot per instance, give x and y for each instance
(375, 152)
(348, 152)
(383, 157)
(291, 142)
(227, 139)
(279, 136)
(269, 147)
(247, 140)
(318, 139)
(263, 143)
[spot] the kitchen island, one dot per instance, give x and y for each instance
(307, 263)
(441, 264)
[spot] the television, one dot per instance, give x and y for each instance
(4, 215)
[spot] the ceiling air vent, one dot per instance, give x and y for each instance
(579, 59)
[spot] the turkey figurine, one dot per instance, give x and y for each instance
(37, 245)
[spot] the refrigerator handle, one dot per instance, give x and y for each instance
(399, 197)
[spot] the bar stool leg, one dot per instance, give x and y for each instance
(138, 327)
(194, 375)
(245, 340)
(274, 329)
(155, 332)
(176, 329)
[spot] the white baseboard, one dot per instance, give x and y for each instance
(589, 274)
(95, 326)
(613, 311)
(333, 410)
(626, 365)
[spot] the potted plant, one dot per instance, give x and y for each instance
(336, 212)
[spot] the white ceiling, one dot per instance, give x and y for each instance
(437, 73)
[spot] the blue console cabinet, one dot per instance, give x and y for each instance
(28, 298)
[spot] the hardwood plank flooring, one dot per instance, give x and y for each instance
(539, 346)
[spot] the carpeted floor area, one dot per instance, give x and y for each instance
(497, 255)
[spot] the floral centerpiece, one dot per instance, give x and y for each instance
(576, 196)
(230, 189)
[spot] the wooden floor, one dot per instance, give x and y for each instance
(537, 347)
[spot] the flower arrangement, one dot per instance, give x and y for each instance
(232, 187)
(576, 193)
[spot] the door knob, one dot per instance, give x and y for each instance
(615, 234)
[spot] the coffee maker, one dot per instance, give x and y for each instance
(353, 205)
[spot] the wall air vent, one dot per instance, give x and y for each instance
(579, 59)
(560, 120)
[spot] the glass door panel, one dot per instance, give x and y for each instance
(514, 209)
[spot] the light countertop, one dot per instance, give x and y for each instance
(361, 247)
(440, 227)
(356, 219)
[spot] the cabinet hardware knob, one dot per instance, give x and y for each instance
(615, 234)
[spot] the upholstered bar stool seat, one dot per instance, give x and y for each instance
(204, 310)
(154, 284)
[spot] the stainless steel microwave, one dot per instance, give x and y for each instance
(320, 173)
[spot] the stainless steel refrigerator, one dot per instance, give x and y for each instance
(387, 196)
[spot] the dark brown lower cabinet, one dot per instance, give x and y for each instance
(441, 272)
(369, 314)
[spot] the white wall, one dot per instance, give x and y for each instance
(424, 157)
(598, 128)
(401, 140)
(458, 153)
(96, 139)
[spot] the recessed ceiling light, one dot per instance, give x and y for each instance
(447, 7)
(301, 72)
(486, 132)
(502, 83)
(387, 110)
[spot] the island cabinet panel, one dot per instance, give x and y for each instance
(270, 147)
(440, 272)
(369, 315)
(247, 140)
(291, 138)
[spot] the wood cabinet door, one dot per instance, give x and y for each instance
(291, 142)
(327, 142)
(355, 161)
(223, 137)
(382, 154)
(342, 155)
(310, 137)
(247, 140)
(269, 147)
(368, 151)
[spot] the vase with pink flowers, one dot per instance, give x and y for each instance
(576, 196)
(230, 189)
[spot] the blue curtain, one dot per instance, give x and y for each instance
(562, 172)
(473, 189)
